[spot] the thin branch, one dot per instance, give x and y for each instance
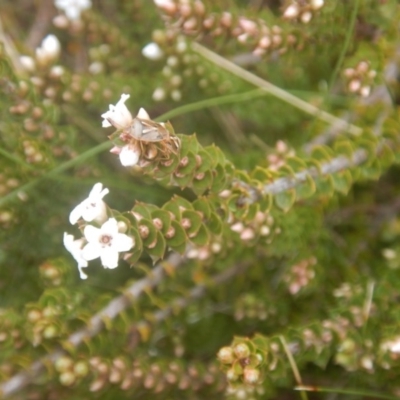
(335, 165)
(114, 308)
(274, 90)
(94, 326)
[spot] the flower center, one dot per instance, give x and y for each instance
(105, 240)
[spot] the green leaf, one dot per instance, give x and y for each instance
(179, 238)
(190, 164)
(306, 189)
(202, 204)
(214, 223)
(344, 147)
(157, 249)
(321, 154)
(199, 186)
(165, 218)
(372, 170)
(296, 164)
(216, 154)
(188, 144)
(151, 229)
(219, 179)
(324, 185)
(286, 199)
(263, 175)
(195, 222)
(342, 181)
(202, 237)
(164, 168)
(206, 163)
(144, 209)
(183, 181)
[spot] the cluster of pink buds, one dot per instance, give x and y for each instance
(302, 10)
(191, 18)
(300, 275)
(276, 158)
(360, 78)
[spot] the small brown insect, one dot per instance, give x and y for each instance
(145, 131)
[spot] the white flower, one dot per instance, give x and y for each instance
(106, 243)
(75, 248)
(129, 155)
(92, 208)
(152, 51)
(49, 50)
(73, 8)
(118, 115)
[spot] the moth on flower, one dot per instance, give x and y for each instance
(141, 137)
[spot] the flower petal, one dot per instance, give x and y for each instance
(142, 114)
(81, 273)
(91, 251)
(92, 233)
(109, 258)
(110, 227)
(75, 214)
(129, 156)
(122, 242)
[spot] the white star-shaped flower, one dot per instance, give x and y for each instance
(75, 248)
(106, 243)
(73, 8)
(93, 208)
(118, 115)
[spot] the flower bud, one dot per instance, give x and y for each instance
(226, 355)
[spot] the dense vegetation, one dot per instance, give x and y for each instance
(240, 240)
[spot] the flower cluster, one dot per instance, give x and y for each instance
(302, 10)
(139, 138)
(300, 275)
(241, 362)
(104, 242)
(192, 18)
(360, 78)
(73, 8)
(46, 54)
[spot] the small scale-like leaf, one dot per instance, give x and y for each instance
(216, 154)
(195, 221)
(286, 199)
(189, 166)
(202, 204)
(342, 181)
(151, 231)
(165, 218)
(344, 147)
(306, 189)
(324, 185)
(321, 154)
(144, 209)
(179, 236)
(214, 223)
(199, 186)
(157, 250)
(202, 237)
(183, 181)
(189, 143)
(296, 164)
(263, 175)
(206, 162)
